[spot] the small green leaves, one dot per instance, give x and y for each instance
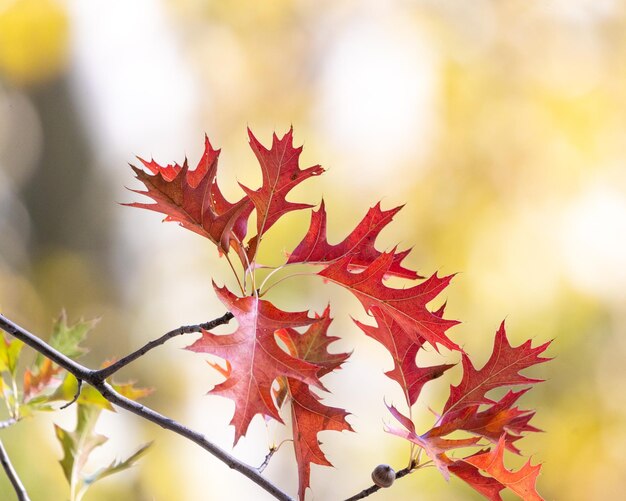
(77, 446)
(44, 383)
(9, 355)
(67, 338)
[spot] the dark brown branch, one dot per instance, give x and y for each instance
(94, 378)
(374, 488)
(18, 487)
(108, 371)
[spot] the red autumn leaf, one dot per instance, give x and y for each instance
(502, 369)
(407, 307)
(315, 249)
(522, 482)
(312, 345)
(308, 415)
(500, 419)
(281, 173)
(487, 486)
(403, 350)
(254, 359)
(194, 200)
(434, 447)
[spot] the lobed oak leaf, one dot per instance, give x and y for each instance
(280, 174)
(315, 249)
(522, 482)
(254, 359)
(193, 199)
(407, 307)
(502, 369)
(499, 420)
(308, 415)
(312, 344)
(403, 350)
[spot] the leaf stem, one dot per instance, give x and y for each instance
(18, 487)
(232, 267)
(303, 274)
(275, 270)
(248, 268)
(94, 378)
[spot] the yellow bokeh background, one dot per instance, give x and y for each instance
(499, 123)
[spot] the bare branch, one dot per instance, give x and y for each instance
(374, 488)
(94, 378)
(12, 474)
(185, 329)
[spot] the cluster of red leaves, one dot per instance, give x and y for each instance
(270, 365)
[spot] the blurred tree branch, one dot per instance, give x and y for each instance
(20, 491)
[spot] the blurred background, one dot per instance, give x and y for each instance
(500, 125)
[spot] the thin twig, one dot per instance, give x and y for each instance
(94, 378)
(12, 474)
(273, 450)
(76, 395)
(108, 371)
(374, 488)
(267, 459)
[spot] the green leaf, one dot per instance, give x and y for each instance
(10, 354)
(88, 395)
(67, 338)
(77, 446)
(117, 466)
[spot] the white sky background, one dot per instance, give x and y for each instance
(136, 90)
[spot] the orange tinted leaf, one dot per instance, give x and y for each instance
(522, 482)
(487, 486)
(35, 382)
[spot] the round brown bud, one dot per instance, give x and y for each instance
(383, 475)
